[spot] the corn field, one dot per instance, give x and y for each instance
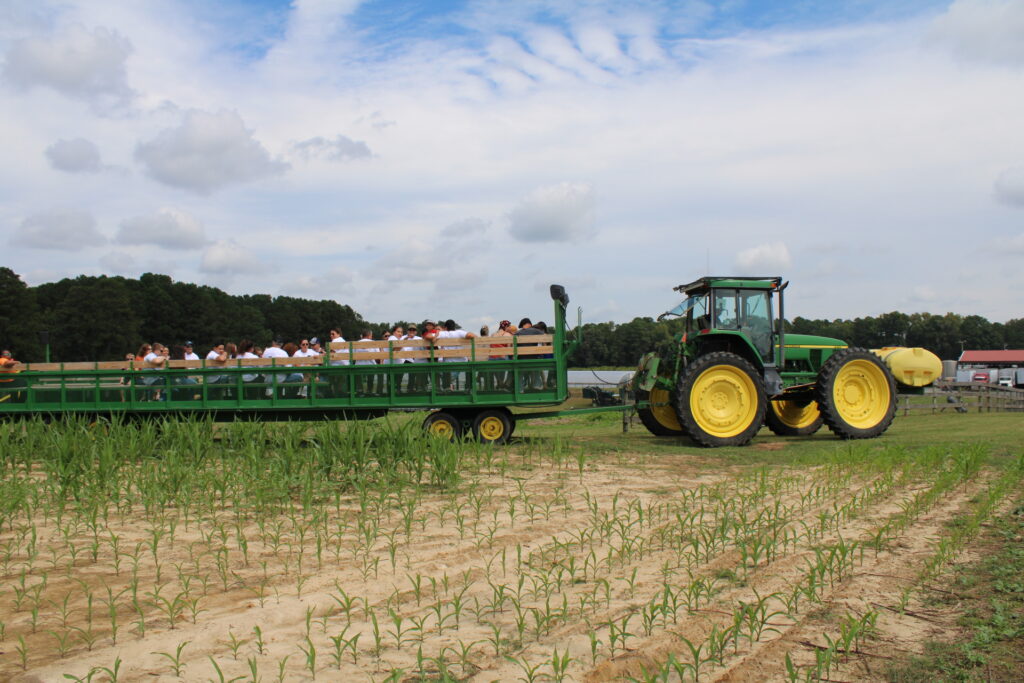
(366, 551)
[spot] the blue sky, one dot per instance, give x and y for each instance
(452, 159)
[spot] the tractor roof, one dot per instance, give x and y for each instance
(730, 281)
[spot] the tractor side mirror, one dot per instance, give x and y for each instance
(558, 293)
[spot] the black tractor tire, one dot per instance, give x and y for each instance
(793, 418)
(856, 394)
(721, 400)
(656, 420)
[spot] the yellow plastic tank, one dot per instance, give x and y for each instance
(912, 367)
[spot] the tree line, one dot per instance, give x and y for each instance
(103, 318)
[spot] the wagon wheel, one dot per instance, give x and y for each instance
(492, 426)
(443, 424)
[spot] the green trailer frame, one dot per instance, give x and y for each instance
(532, 374)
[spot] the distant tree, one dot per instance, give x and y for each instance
(96, 320)
(978, 333)
(1013, 333)
(19, 317)
(893, 328)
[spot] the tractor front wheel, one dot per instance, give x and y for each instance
(721, 400)
(793, 418)
(856, 393)
(660, 416)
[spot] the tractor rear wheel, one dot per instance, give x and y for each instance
(660, 418)
(856, 393)
(793, 418)
(721, 400)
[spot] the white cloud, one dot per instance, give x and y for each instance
(340, 148)
(78, 63)
(983, 30)
(1009, 186)
(922, 294)
(74, 156)
(207, 152)
(557, 213)
(464, 228)
(1009, 245)
(59, 229)
(118, 262)
(764, 259)
(601, 46)
(227, 257)
(168, 228)
(323, 285)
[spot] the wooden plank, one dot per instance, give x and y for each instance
(482, 354)
(478, 348)
(426, 343)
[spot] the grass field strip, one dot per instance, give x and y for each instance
(290, 505)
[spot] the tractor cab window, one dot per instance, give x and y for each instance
(697, 318)
(747, 311)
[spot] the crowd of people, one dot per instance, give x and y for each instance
(156, 355)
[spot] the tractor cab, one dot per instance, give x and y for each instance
(733, 314)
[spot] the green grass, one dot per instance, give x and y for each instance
(989, 594)
(603, 433)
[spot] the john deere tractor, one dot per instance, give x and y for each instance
(733, 368)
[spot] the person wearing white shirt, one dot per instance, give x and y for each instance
(335, 335)
(366, 382)
(304, 350)
(157, 359)
(275, 351)
(245, 352)
(218, 355)
(189, 353)
(453, 331)
(396, 335)
(339, 381)
(417, 381)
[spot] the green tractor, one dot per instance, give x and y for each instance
(733, 368)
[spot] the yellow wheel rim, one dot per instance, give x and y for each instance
(492, 428)
(442, 428)
(723, 401)
(662, 410)
(796, 414)
(860, 394)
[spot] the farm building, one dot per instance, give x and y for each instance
(1007, 358)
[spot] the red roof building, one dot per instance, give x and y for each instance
(1004, 358)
